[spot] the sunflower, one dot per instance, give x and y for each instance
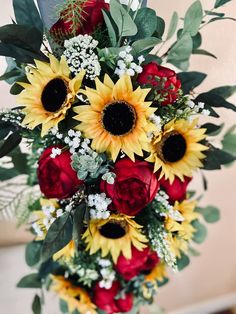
(114, 235)
(176, 151)
(76, 297)
(117, 117)
(180, 233)
(49, 93)
(66, 253)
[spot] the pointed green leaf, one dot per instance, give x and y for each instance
(78, 222)
(173, 25)
(224, 91)
(36, 305)
(30, 281)
(142, 45)
(33, 253)
(190, 80)
(160, 27)
(146, 23)
(110, 27)
(219, 3)
(193, 18)
(200, 233)
(214, 100)
(212, 129)
(229, 141)
(204, 53)
(10, 143)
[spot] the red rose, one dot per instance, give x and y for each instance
(105, 299)
(135, 186)
(163, 79)
(177, 190)
(56, 177)
(91, 18)
(140, 261)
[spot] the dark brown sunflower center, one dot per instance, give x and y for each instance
(119, 118)
(174, 147)
(112, 230)
(54, 95)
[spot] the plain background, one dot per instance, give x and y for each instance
(213, 273)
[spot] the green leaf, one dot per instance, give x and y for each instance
(142, 45)
(173, 25)
(193, 18)
(146, 22)
(110, 27)
(36, 305)
(7, 174)
(183, 261)
(10, 143)
(58, 236)
(180, 52)
(204, 53)
(193, 252)
(63, 306)
(211, 214)
(16, 89)
(33, 253)
(160, 27)
(22, 8)
(215, 158)
(219, 3)
(214, 100)
(21, 35)
(212, 129)
(123, 20)
(201, 232)
(19, 160)
(224, 91)
(5, 129)
(78, 222)
(190, 80)
(197, 41)
(229, 141)
(30, 281)
(215, 13)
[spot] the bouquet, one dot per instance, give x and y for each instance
(105, 139)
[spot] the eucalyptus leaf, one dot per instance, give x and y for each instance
(33, 253)
(215, 158)
(160, 27)
(123, 20)
(183, 261)
(219, 3)
(224, 91)
(110, 27)
(58, 236)
(36, 305)
(190, 80)
(211, 214)
(197, 41)
(201, 232)
(142, 45)
(26, 13)
(193, 18)
(146, 22)
(212, 129)
(8, 173)
(12, 141)
(63, 306)
(214, 100)
(78, 222)
(204, 53)
(221, 19)
(173, 25)
(229, 141)
(30, 281)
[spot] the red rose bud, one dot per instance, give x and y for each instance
(140, 261)
(135, 186)
(177, 190)
(163, 79)
(105, 299)
(91, 18)
(56, 177)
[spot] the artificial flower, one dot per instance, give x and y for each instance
(140, 261)
(75, 297)
(135, 186)
(176, 151)
(106, 299)
(49, 93)
(56, 177)
(66, 253)
(87, 18)
(163, 80)
(175, 190)
(117, 118)
(114, 235)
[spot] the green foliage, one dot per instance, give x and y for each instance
(12, 141)
(219, 3)
(124, 22)
(33, 253)
(200, 233)
(214, 100)
(180, 52)
(142, 45)
(58, 236)
(160, 27)
(224, 91)
(229, 141)
(211, 214)
(146, 22)
(78, 222)
(173, 26)
(22, 8)
(111, 27)
(204, 53)
(13, 73)
(190, 80)
(216, 158)
(36, 305)
(197, 41)
(63, 306)
(193, 18)
(183, 262)
(212, 129)
(30, 281)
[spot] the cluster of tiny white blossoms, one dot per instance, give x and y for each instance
(126, 64)
(198, 108)
(56, 151)
(74, 140)
(107, 273)
(158, 123)
(51, 214)
(98, 204)
(12, 116)
(79, 53)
